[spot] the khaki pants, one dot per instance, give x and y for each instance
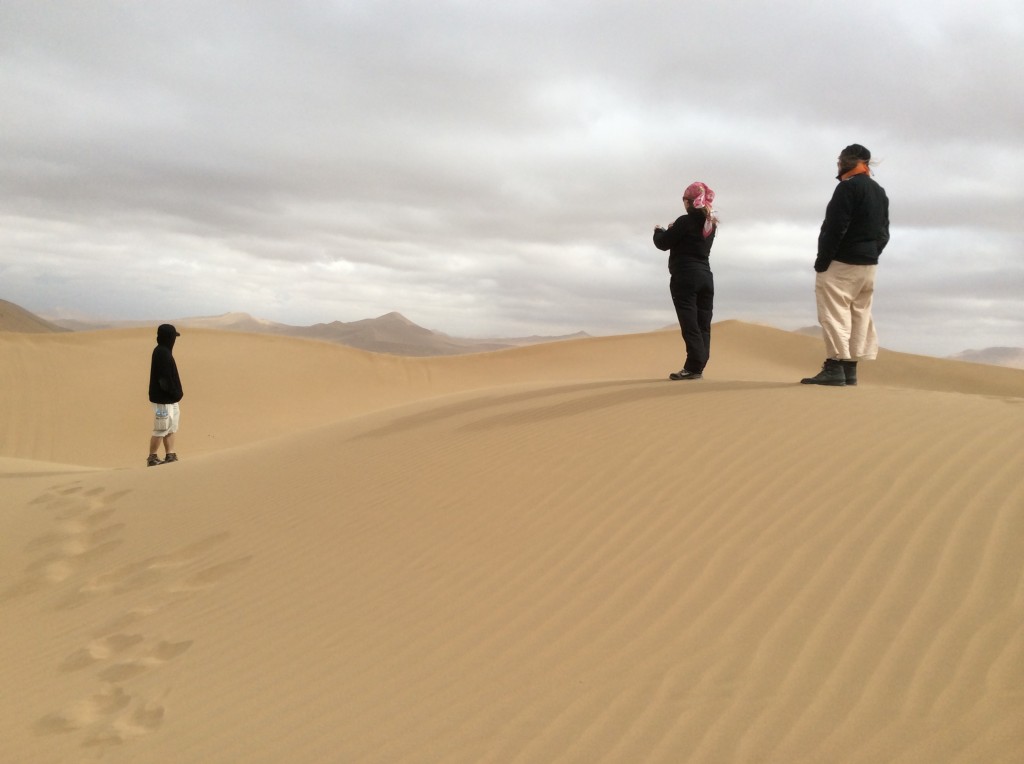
(844, 293)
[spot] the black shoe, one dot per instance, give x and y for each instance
(831, 374)
(850, 370)
(684, 374)
(153, 460)
(171, 457)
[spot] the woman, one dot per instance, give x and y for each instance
(688, 241)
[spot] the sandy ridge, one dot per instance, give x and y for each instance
(556, 566)
(241, 388)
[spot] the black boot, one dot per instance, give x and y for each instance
(831, 374)
(683, 374)
(850, 370)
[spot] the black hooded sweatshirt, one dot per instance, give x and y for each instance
(164, 383)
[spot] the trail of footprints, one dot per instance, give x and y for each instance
(67, 561)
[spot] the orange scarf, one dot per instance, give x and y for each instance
(860, 169)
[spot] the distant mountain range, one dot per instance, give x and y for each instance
(391, 333)
(1011, 357)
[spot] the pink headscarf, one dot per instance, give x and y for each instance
(701, 197)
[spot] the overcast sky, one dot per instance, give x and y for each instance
(497, 168)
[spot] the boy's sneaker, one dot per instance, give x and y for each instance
(153, 460)
(170, 458)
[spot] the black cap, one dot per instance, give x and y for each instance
(167, 330)
(856, 151)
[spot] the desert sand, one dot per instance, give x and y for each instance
(546, 554)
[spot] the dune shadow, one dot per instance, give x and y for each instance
(584, 398)
(42, 473)
(625, 394)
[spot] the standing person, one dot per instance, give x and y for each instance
(855, 231)
(164, 393)
(688, 241)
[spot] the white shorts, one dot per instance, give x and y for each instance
(173, 415)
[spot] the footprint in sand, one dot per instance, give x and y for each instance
(99, 650)
(80, 537)
(159, 655)
(134, 576)
(206, 578)
(108, 718)
(127, 619)
(73, 537)
(148, 573)
(75, 554)
(54, 568)
(145, 718)
(118, 653)
(109, 700)
(93, 713)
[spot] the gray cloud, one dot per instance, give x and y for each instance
(498, 169)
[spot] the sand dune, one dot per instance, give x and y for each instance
(390, 333)
(14, 318)
(539, 555)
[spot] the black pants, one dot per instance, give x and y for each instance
(693, 294)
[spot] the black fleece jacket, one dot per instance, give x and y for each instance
(164, 383)
(684, 240)
(856, 226)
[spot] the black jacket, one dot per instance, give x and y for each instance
(164, 383)
(684, 240)
(856, 226)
